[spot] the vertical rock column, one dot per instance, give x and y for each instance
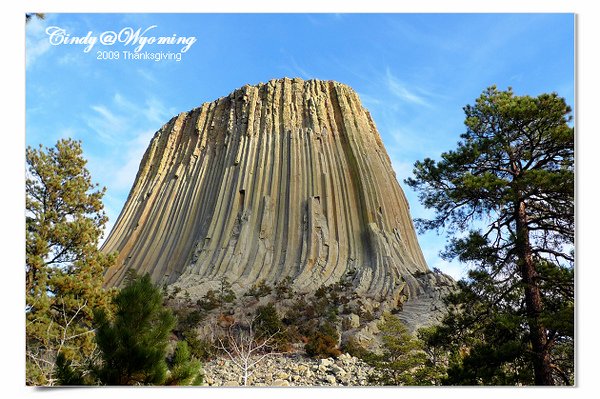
(288, 178)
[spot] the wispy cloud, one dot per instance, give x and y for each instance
(402, 168)
(120, 119)
(134, 150)
(147, 75)
(431, 245)
(36, 40)
(123, 104)
(294, 69)
(104, 122)
(125, 129)
(155, 111)
(369, 100)
(107, 114)
(400, 90)
(298, 70)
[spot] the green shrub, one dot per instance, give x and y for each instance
(184, 369)
(133, 344)
(296, 312)
(209, 301)
(226, 294)
(267, 321)
(326, 308)
(403, 362)
(268, 324)
(201, 349)
(259, 290)
(353, 348)
(283, 289)
(191, 319)
(323, 342)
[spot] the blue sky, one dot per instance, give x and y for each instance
(414, 72)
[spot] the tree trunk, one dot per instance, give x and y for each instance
(533, 300)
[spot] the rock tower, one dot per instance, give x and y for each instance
(288, 178)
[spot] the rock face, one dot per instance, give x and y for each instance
(287, 178)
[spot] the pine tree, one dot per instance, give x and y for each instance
(66, 374)
(226, 294)
(133, 344)
(267, 321)
(184, 369)
(63, 266)
(402, 361)
(268, 324)
(512, 174)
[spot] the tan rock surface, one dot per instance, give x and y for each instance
(286, 178)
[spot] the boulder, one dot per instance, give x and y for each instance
(350, 321)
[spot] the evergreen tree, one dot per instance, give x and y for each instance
(226, 294)
(486, 339)
(267, 322)
(63, 266)
(184, 370)
(402, 361)
(65, 373)
(133, 345)
(513, 174)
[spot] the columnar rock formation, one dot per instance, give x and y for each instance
(287, 178)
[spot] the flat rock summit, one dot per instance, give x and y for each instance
(287, 178)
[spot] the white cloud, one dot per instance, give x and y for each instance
(104, 122)
(146, 75)
(71, 59)
(402, 169)
(156, 111)
(36, 40)
(106, 114)
(431, 252)
(295, 70)
(369, 100)
(455, 269)
(119, 121)
(134, 150)
(400, 90)
(125, 128)
(121, 101)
